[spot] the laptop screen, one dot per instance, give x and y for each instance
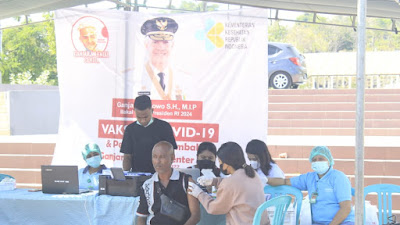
(194, 172)
(60, 179)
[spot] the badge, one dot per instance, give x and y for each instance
(314, 196)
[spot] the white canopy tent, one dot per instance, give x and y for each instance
(376, 8)
(11, 8)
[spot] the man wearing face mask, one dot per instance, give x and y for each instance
(329, 190)
(141, 136)
(89, 176)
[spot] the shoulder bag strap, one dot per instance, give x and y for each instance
(158, 188)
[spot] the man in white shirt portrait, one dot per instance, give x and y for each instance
(160, 79)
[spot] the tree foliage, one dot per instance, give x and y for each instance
(312, 38)
(277, 32)
(379, 40)
(29, 52)
(199, 6)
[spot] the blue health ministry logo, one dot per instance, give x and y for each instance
(211, 35)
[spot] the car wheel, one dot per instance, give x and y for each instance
(281, 80)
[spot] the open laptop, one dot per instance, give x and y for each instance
(60, 180)
(194, 172)
(117, 173)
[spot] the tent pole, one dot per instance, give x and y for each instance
(1, 44)
(359, 173)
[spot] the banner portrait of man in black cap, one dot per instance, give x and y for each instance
(160, 79)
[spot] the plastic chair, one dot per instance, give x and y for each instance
(281, 204)
(384, 192)
(287, 190)
(2, 176)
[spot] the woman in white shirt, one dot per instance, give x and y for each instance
(261, 160)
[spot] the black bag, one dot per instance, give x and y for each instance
(171, 208)
(392, 221)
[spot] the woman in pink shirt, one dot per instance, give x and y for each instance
(239, 195)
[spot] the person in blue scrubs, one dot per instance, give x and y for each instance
(89, 176)
(329, 190)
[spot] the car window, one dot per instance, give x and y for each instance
(272, 50)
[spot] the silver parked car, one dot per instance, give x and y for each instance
(286, 66)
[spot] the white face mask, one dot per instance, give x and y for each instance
(254, 164)
(320, 167)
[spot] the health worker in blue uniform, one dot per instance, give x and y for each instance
(89, 176)
(329, 190)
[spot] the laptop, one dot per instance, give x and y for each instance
(194, 172)
(117, 173)
(60, 180)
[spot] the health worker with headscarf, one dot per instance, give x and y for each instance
(89, 176)
(329, 190)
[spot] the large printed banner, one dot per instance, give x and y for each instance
(205, 72)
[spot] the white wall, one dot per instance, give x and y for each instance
(34, 112)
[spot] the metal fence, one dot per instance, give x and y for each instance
(349, 82)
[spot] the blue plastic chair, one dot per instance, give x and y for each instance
(281, 204)
(2, 176)
(287, 190)
(384, 192)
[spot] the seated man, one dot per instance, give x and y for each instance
(167, 181)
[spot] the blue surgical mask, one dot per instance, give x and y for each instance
(320, 167)
(94, 161)
(255, 164)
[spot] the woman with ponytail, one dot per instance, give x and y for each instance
(238, 195)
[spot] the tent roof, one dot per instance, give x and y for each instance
(375, 8)
(11, 8)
